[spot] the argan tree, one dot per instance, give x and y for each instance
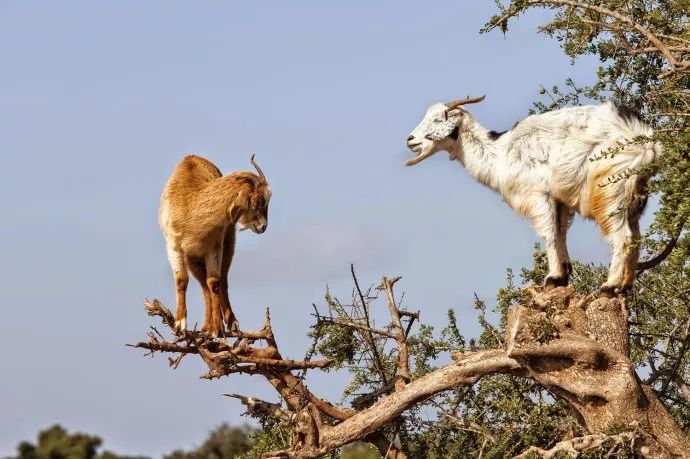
(562, 372)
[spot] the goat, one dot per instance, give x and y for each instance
(199, 212)
(551, 165)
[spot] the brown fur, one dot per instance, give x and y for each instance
(198, 215)
(600, 202)
(621, 196)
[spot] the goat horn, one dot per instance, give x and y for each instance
(258, 169)
(469, 100)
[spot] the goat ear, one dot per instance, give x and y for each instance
(238, 205)
(235, 211)
(453, 113)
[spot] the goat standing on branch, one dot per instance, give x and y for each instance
(551, 165)
(198, 214)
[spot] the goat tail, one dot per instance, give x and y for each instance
(645, 155)
(618, 182)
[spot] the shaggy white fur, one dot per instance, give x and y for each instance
(551, 165)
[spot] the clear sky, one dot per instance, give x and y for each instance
(99, 100)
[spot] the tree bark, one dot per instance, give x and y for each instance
(586, 363)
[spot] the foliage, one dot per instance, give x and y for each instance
(56, 443)
(224, 442)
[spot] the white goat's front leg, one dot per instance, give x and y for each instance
(624, 253)
(544, 213)
(179, 268)
(565, 219)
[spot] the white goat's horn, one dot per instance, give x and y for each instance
(469, 100)
(258, 169)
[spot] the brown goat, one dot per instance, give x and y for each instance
(198, 215)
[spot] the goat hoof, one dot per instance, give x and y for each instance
(607, 292)
(623, 290)
(180, 325)
(552, 282)
(218, 331)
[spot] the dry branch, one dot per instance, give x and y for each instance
(589, 443)
(261, 409)
(400, 335)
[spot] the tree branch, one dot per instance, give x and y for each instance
(401, 337)
(588, 444)
(649, 264)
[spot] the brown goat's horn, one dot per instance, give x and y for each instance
(258, 169)
(469, 100)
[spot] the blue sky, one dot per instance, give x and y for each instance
(99, 100)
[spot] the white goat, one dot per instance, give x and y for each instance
(549, 166)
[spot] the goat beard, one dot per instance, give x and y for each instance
(419, 158)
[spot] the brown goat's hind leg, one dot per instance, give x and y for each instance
(212, 262)
(179, 268)
(228, 251)
(213, 284)
(198, 269)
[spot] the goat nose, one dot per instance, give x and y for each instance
(411, 137)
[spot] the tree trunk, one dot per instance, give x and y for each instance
(578, 349)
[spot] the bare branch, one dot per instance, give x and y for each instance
(401, 337)
(587, 444)
(468, 370)
(261, 409)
